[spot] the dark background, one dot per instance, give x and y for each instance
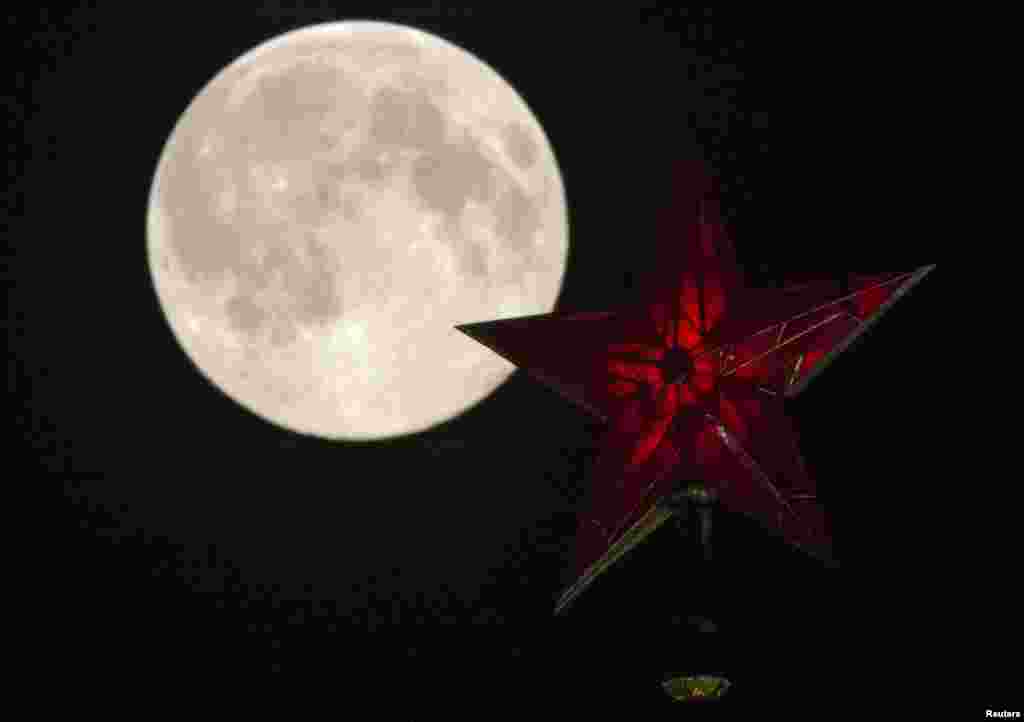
(193, 538)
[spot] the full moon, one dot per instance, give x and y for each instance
(330, 205)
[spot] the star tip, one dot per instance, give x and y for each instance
(563, 603)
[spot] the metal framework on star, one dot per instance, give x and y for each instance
(692, 383)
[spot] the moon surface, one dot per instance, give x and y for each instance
(330, 205)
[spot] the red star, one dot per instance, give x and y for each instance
(692, 383)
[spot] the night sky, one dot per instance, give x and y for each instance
(196, 538)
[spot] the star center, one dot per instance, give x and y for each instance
(677, 365)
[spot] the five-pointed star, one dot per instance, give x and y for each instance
(692, 382)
